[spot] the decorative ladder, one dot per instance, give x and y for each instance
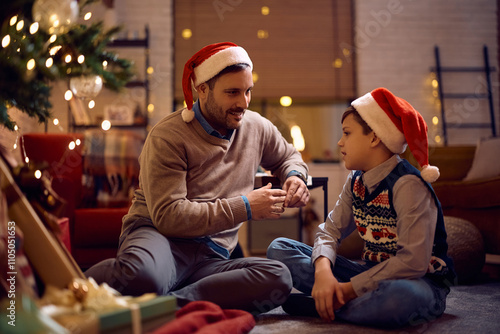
(442, 95)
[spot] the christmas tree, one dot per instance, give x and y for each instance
(41, 42)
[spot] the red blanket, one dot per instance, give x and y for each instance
(204, 317)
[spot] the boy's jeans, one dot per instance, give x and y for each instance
(394, 303)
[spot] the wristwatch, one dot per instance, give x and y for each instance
(299, 174)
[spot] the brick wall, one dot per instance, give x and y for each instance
(395, 42)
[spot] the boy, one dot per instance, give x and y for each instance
(406, 273)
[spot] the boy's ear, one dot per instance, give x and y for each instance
(375, 139)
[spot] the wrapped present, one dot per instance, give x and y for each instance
(102, 309)
(139, 317)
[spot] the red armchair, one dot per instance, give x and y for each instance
(94, 231)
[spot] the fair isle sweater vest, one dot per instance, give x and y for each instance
(376, 221)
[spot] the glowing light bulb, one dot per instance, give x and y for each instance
(68, 58)
(71, 145)
(91, 104)
(55, 121)
(5, 41)
(255, 77)
(31, 64)
(33, 28)
(186, 33)
(20, 25)
(286, 101)
(81, 59)
(49, 62)
(262, 34)
(87, 16)
(38, 174)
(68, 95)
(13, 20)
(54, 50)
(106, 125)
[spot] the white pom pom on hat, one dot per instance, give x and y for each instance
(397, 124)
(206, 64)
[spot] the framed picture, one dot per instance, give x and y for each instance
(119, 114)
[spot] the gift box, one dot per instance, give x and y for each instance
(140, 317)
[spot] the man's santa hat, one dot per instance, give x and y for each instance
(397, 124)
(206, 64)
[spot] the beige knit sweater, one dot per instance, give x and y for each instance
(191, 183)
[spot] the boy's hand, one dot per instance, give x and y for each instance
(297, 194)
(327, 292)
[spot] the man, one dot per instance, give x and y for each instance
(196, 189)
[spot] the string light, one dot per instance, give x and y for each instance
(68, 58)
(255, 77)
(33, 28)
(71, 145)
(53, 38)
(49, 62)
(187, 34)
(13, 20)
(20, 25)
(91, 104)
(55, 121)
(105, 64)
(87, 16)
(81, 59)
(106, 125)
(151, 107)
(31, 64)
(68, 95)
(286, 101)
(54, 50)
(5, 41)
(38, 174)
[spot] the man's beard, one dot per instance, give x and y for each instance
(217, 116)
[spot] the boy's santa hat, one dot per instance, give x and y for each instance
(206, 64)
(397, 124)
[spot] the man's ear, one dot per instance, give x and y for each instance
(202, 90)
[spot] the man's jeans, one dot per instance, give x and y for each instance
(394, 303)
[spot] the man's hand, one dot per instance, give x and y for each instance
(297, 194)
(266, 203)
